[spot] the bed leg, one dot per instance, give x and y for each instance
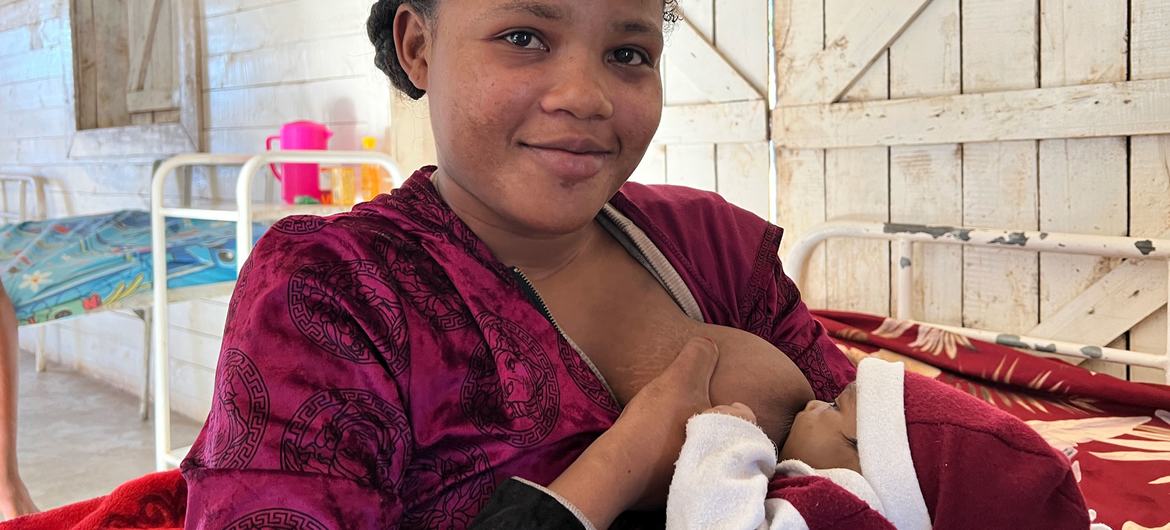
(904, 279)
(39, 351)
(144, 402)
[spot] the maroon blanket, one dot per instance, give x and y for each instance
(1117, 433)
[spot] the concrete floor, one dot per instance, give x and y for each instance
(80, 438)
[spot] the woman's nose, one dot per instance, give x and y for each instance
(579, 90)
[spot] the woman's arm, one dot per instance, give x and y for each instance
(627, 467)
(307, 428)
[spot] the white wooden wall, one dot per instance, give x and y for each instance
(1054, 74)
(264, 62)
(715, 74)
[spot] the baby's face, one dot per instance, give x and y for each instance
(824, 435)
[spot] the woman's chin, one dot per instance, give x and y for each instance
(559, 213)
(554, 222)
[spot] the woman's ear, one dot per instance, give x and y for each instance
(411, 43)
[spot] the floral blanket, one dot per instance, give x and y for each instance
(1116, 433)
(70, 266)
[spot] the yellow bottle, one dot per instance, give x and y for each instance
(371, 175)
(343, 189)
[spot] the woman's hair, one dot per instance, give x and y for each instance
(380, 27)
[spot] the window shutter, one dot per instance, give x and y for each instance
(153, 81)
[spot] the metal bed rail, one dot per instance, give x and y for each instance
(243, 215)
(905, 236)
(26, 186)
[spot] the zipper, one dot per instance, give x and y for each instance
(530, 290)
(534, 296)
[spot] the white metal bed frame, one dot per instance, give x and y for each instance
(905, 236)
(138, 304)
(26, 186)
(244, 214)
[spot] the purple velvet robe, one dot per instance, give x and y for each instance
(380, 368)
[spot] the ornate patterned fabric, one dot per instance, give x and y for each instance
(380, 368)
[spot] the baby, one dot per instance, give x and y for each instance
(894, 450)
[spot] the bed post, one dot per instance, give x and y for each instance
(904, 278)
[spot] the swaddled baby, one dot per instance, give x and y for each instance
(894, 450)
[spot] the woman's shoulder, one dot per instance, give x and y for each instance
(691, 212)
(695, 219)
(727, 251)
(303, 239)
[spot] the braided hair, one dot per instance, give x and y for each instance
(380, 28)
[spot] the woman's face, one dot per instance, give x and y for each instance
(542, 108)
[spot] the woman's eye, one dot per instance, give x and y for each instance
(524, 39)
(630, 57)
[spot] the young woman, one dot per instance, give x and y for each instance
(518, 312)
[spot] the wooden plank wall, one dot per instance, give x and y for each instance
(857, 188)
(999, 50)
(926, 184)
(1107, 186)
(1149, 162)
(800, 178)
(738, 29)
(265, 62)
(1083, 184)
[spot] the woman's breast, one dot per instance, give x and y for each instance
(750, 370)
(753, 372)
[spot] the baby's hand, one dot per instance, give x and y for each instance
(736, 409)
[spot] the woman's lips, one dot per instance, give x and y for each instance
(569, 164)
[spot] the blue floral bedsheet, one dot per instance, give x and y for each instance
(71, 266)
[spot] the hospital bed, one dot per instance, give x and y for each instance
(244, 213)
(22, 198)
(905, 236)
(59, 269)
(129, 260)
(1116, 433)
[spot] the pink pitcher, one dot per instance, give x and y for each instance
(299, 180)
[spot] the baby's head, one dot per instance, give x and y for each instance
(933, 455)
(824, 435)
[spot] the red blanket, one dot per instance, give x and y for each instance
(1117, 433)
(157, 500)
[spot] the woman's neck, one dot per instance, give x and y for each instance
(539, 256)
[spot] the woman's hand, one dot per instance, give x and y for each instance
(630, 465)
